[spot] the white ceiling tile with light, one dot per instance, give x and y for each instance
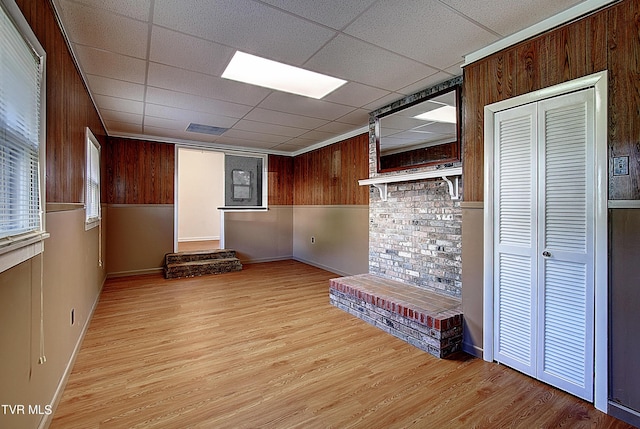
(175, 70)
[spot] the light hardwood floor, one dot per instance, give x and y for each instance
(189, 246)
(263, 348)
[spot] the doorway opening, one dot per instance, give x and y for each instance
(199, 195)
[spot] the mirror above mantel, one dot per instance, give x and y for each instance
(420, 130)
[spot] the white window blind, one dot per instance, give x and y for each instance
(21, 72)
(92, 180)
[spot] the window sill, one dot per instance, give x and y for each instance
(92, 224)
(243, 209)
(17, 250)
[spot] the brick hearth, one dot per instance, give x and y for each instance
(428, 320)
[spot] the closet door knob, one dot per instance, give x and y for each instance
(546, 254)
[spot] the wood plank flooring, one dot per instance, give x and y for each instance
(190, 246)
(263, 348)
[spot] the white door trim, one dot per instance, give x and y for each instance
(599, 82)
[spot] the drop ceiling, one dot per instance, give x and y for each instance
(154, 66)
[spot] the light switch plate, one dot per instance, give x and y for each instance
(621, 166)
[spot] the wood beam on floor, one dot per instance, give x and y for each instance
(263, 348)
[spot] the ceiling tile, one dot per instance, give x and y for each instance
(196, 103)
(241, 143)
(105, 30)
(170, 124)
(426, 83)
(118, 116)
(119, 104)
(514, 14)
(116, 88)
(188, 52)
(255, 137)
(421, 30)
(246, 25)
(383, 101)
(138, 9)
(357, 61)
(297, 143)
(261, 127)
(116, 128)
(333, 13)
(288, 148)
(336, 128)
(355, 94)
(317, 135)
(108, 64)
(359, 118)
(188, 116)
(304, 106)
(180, 80)
(282, 118)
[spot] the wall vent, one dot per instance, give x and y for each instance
(206, 129)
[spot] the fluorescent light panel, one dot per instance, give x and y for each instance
(248, 68)
(441, 114)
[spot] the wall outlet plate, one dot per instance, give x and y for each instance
(621, 166)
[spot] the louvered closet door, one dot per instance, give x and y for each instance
(544, 242)
(515, 238)
(566, 239)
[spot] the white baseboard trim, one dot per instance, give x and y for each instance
(323, 267)
(261, 260)
(46, 419)
(472, 349)
(188, 239)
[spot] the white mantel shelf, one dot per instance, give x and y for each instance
(381, 182)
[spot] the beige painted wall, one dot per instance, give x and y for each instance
(624, 292)
(472, 272)
(72, 279)
(341, 237)
(260, 236)
(200, 193)
(139, 236)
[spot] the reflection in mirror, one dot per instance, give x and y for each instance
(423, 132)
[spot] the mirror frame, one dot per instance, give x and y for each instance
(454, 84)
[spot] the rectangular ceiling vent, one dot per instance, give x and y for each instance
(206, 129)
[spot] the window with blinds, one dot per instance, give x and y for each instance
(92, 185)
(22, 99)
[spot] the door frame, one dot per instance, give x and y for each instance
(599, 82)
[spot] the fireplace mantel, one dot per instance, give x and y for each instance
(381, 182)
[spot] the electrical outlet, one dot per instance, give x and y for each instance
(313, 240)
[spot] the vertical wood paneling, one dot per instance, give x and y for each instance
(280, 172)
(329, 176)
(530, 66)
(472, 131)
(608, 39)
(624, 97)
(69, 108)
(140, 172)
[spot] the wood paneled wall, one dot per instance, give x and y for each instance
(280, 180)
(69, 108)
(139, 172)
(329, 176)
(608, 39)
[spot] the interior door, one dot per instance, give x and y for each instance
(515, 238)
(544, 256)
